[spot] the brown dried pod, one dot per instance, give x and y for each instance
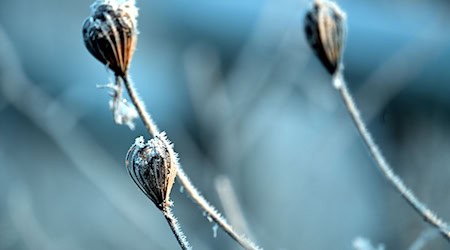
(325, 32)
(152, 166)
(110, 34)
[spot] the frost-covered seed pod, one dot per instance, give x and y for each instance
(152, 167)
(325, 32)
(110, 33)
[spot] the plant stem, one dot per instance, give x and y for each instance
(175, 226)
(183, 178)
(212, 212)
(140, 107)
(341, 86)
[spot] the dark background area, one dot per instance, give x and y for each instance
(239, 92)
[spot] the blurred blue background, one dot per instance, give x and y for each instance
(251, 112)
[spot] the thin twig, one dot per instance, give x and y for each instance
(175, 226)
(183, 178)
(341, 86)
(140, 107)
(212, 212)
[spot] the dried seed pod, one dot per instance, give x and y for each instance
(325, 32)
(152, 166)
(110, 34)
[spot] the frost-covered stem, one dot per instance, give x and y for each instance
(140, 107)
(212, 212)
(183, 178)
(383, 165)
(176, 229)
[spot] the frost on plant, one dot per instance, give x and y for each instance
(151, 167)
(110, 34)
(123, 112)
(214, 228)
(128, 6)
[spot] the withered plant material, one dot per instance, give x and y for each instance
(110, 34)
(151, 166)
(325, 32)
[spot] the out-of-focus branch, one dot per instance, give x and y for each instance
(365, 244)
(398, 70)
(60, 125)
(230, 204)
(24, 220)
(424, 238)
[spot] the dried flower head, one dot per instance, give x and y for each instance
(325, 32)
(152, 166)
(110, 33)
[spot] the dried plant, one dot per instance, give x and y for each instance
(325, 29)
(110, 35)
(151, 165)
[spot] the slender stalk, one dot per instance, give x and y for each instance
(175, 226)
(183, 178)
(341, 86)
(140, 107)
(212, 212)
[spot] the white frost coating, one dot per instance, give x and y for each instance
(129, 6)
(208, 209)
(338, 81)
(112, 3)
(176, 229)
(214, 228)
(172, 154)
(139, 142)
(124, 113)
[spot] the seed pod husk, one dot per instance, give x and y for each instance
(325, 33)
(152, 167)
(110, 34)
